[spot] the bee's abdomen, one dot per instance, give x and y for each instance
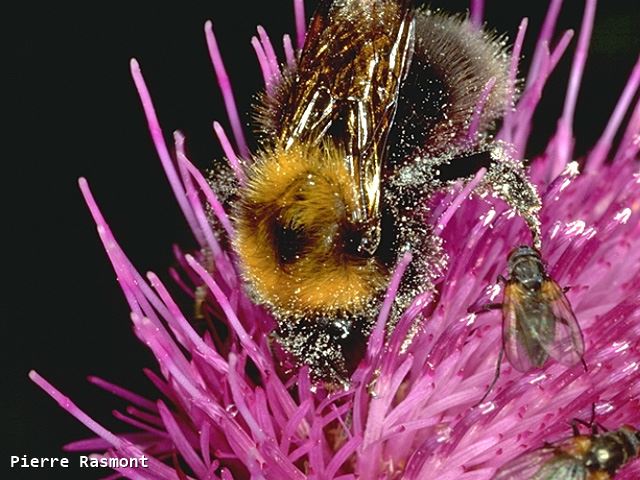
(452, 63)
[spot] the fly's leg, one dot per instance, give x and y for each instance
(495, 377)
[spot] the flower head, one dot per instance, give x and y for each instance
(231, 406)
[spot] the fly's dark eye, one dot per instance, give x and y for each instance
(289, 242)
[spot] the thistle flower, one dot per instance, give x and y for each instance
(229, 408)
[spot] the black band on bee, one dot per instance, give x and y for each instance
(452, 63)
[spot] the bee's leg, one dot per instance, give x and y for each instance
(495, 377)
(507, 179)
(200, 294)
(319, 345)
(200, 309)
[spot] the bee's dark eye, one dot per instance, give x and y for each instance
(352, 239)
(289, 242)
(360, 241)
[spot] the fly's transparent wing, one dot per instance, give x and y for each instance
(567, 344)
(561, 467)
(543, 464)
(526, 465)
(521, 329)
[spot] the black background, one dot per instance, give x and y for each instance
(71, 110)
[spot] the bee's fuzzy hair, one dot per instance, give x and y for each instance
(291, 220)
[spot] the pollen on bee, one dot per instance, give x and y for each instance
(293, 228)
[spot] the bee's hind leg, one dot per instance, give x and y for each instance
(507, 179)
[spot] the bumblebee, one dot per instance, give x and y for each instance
(352, 142)
(597, 456)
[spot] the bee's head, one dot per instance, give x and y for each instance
(526, 267)
(299, 248)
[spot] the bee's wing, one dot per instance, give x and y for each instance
(567, 346)
(519, 332)
(352, 64)
(542, 464)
